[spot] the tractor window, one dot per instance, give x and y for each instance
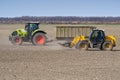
(95, 34)
(30, 27)
(33, 27)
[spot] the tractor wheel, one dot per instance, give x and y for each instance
(39, 39)
(16, 40)
(82, 45)
(107, 46)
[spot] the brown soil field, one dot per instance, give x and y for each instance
(54, 62)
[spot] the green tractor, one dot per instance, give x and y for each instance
(31, 33)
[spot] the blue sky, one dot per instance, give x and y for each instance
(17, 8)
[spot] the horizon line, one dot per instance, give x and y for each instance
(55, 16)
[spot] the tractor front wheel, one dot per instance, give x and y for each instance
(107, 46)
(39, 39)
(82, 45)
(16, 40)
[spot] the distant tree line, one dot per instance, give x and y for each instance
(61, 20)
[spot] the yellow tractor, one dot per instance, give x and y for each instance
(96, 39)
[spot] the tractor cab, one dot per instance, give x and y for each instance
(30, 27)
(97, 36)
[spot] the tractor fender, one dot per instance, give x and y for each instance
(111, 39)
(38, 31)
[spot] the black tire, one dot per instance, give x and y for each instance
(107, 46)
(16, 40)
(39, 39)
(81, 45)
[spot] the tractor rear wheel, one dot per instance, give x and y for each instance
(16, 40)
(82, 45)
(39, 39)
(107, 46)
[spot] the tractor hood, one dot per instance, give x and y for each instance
(19, 32)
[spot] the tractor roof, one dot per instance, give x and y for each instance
(99, 29)
(33, 23)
